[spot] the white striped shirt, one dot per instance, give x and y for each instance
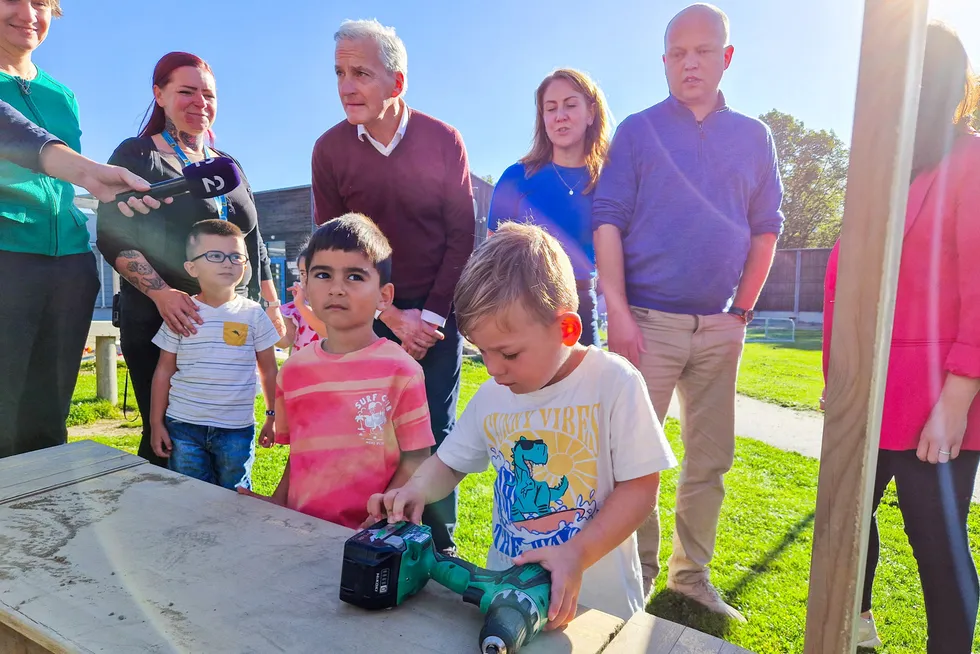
(214, 385)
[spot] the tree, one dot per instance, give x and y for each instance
(488, 179)
(813, 167)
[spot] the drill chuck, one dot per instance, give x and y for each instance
(493, 645)
(504, 631)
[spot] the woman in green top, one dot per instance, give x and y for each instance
(48, 275)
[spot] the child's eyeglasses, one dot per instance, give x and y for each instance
(216, 256)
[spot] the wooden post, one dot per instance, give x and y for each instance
(106, 379)
(796, 285)
(892, 47)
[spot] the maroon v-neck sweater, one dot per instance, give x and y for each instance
(420, 196)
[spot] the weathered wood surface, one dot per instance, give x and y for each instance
(877, 189)
(144, 560)
(648, 634)
(27, 474)
(13, 640)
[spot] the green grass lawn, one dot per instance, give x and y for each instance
(763, 549)
(86, 408)
(787, 374)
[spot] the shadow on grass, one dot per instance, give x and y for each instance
(806, 339)
(678, 608)
(762, 566)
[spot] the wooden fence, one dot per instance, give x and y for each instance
(795, 283)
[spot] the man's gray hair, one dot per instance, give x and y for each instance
(390, 46)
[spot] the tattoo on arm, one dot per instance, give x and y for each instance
(134, 267)
(192, 141)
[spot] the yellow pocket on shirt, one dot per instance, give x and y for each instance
(235, 333)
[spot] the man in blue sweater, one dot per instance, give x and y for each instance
(686, 217)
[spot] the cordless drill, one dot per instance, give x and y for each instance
(386, 564)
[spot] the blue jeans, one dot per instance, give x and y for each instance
(588, 313)
(212, 454)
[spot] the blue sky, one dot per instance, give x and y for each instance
(474, 65)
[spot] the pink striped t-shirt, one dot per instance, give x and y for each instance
(347, 419)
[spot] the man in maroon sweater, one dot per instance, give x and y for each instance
(408, 172)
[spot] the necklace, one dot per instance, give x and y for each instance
(571, 189)
(25, 85)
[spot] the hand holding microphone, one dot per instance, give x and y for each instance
(206, 179)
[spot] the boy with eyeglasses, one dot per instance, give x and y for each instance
(202, 414)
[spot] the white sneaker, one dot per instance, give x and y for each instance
(707, 595)
(867, 633)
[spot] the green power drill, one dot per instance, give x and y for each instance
(386, 564)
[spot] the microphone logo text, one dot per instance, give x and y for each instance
(216, 183)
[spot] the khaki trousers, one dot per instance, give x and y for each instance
(699, 356)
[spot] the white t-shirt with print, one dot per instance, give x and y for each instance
(558, 452)
(214, 385)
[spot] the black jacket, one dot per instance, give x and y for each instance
(21, 140)
(161, 235)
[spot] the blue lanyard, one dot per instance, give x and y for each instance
(184, 161)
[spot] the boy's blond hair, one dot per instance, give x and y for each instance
(519, 263)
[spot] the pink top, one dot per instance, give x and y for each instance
(937, 307)
(347, 419)
(304, 333)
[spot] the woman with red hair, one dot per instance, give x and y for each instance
(930, 425)
(148, 250)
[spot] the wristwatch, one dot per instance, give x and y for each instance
(745, 314)
(271, 305)
(270, 413)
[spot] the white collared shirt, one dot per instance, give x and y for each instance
(396, 139)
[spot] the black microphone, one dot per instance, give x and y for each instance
(205, 179)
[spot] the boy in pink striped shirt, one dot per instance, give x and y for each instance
(352, 408)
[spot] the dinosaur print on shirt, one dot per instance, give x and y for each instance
(546, 463)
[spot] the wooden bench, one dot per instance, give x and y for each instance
(106, 378)
(648, 634)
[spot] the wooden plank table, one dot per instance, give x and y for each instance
(102, 552)
(648, 634)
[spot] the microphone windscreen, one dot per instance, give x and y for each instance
(212, 177)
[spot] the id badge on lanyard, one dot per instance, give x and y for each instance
(184, 161)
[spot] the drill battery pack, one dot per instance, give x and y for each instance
(386, 564)
(375, 559)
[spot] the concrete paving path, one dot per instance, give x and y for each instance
(787, 429)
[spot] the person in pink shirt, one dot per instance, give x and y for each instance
(302, 326)
(930, 423)
(353, 407)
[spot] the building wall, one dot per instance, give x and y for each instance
(286, 215)
(103, 302)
